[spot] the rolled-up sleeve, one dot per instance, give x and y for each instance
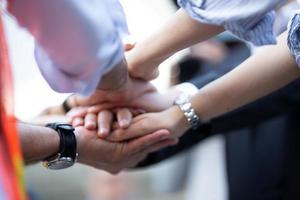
(77, 42)
(248, 20)
(293, 39)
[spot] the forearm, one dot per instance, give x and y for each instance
(180, 32)
(114, 79)
(37, 142)
(260, 75)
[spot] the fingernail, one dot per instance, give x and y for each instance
(76, 122)
(164, 137)
(90, 125)
(124, 123)
(103, 131)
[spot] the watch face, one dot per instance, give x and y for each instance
(66, 127)
(62, 163)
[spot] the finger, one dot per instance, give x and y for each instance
(78, 121)
(128, 47)
(142, 143)
(154, 74)
(137, 128)
(161, 145)
(124, 117)
(77, 112)
(135, 111)
(129, 43)
(100, 107)
(142, 155)
(136, 159)
(105, 119)
(153, 148)
(90, 121)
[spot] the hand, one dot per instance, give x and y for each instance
(102, 119)
(113, 157)
(100, 116)
(124, 95)
(137, 68)
(171, 119)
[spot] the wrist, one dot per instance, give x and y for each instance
(37, 142)
(80, 135)
(67, 154)
(142, 65)
(116, 78)
(179, 123)
(184, 104)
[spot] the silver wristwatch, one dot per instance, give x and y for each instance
(67, 155)
(185, 106)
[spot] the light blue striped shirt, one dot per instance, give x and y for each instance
(250, 20)
(77, 41)
(294, 36)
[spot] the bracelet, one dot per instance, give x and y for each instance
(186, 107)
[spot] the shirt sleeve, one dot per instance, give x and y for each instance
(293, 39)
(248, 20)
(77, 42)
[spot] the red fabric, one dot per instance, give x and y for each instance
(10, 154)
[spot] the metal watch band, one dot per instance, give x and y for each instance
(186, 107)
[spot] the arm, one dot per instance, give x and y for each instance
(258, 76)
(180, 32)
(282, 102)
(39, 143)
(77, 42)
(190, 26)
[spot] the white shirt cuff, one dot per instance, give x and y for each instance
(187, 88)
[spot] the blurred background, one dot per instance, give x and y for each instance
(197, 174)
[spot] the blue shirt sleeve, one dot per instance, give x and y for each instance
(249, 20)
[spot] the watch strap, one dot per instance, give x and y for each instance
(68, 144)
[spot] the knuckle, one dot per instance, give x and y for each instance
(115, 171)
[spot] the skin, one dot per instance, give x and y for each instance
(115, 79)
(180, 32)
(39, 143)
(103, 115)
(258, 76)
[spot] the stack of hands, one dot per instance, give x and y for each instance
(131, 121)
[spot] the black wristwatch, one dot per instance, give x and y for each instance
(67, 154)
